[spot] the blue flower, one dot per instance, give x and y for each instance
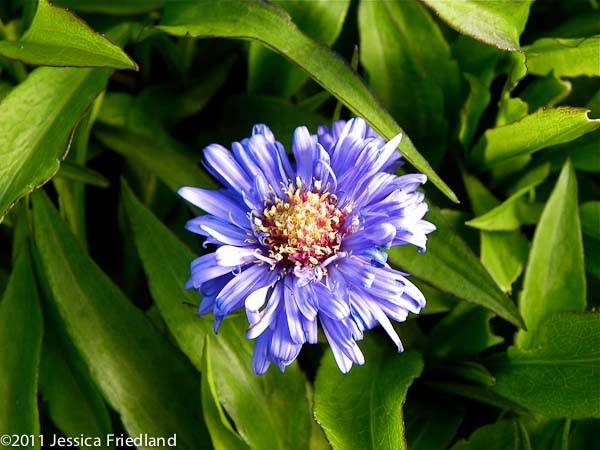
(302, 243)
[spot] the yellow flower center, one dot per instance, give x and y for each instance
(304, 228)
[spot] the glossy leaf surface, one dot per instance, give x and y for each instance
(127, 357)
(38, 116)
(532, 133)
(356, 410)
(270, 25)
(58, 38)
(554, 278)
(494, 22)
(20, 348)
(564, 57)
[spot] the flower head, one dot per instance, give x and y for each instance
(302, 243)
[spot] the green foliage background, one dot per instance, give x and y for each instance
(107, 104)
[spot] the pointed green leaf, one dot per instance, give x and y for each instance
(408, 62)
(543, 128)
(564, 57)
(508, 216)
(58, 38)
(20, 343)
(76, 172)
(554, 278)
(269, 411)
(494, 22)
(166, 262)
(502, 435)
(266, 23)
(363, 409)
(559, 377)
(268, 72)
(152, 387)
(74, 403)
(471, 112)
(222, 434)
(450, 266)
(502, 253)
(37, 118)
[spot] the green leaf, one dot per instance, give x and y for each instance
(81, 174)
(58, 38)
(166, 158)
(559, 377)
(534, 132)
(508, 215)
(502, 253)
(269, 411)
(471, 112)
(564, 57)
(222, 434)
(502, 435)
(546, 91)
(450, 266)
(408, 62)
(20, 343)
(112, 6)
(554, 278)
(266, 23)
(464, 332)
(166, 262)
(363, 409)
(494, 22)
(74, 403)
(37, 118)
(143, 378)
(268, 72)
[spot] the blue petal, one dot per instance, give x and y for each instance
(235, 292)
(304, 148)
(260, 357)
(221, 163)
(268, 316)
(220, 231)
(205, 268)
(217, 203)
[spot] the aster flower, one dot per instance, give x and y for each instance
(302, 243)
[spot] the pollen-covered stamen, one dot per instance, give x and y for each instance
(304, 228)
